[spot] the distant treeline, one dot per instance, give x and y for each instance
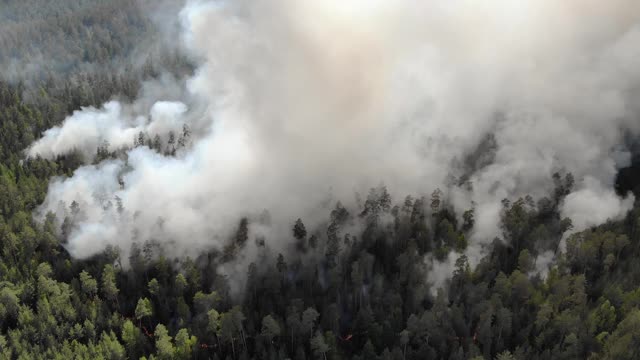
(57, 38)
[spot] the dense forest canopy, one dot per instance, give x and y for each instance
(59, 37)
(391, 274)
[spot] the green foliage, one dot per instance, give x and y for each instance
(185, 344)
(358, 286)
(164, 346)
(88, 283)
(143, 308)
(623, 343)
(109, 286)
(131, 336)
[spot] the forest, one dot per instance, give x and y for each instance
(340, 293)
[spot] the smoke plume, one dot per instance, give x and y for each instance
(298, 104)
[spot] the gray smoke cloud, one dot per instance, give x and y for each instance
(302, 103)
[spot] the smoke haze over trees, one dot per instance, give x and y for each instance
(321, 179)
(339, 103)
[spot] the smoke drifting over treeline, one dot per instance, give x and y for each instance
(298, 104)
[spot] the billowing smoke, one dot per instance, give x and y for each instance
(308, 102)
(91, 128)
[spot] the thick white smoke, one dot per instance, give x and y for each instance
(90, 128)
(306, 101)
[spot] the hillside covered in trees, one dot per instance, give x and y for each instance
(363, 295)
(361, 285)
(40, 40)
